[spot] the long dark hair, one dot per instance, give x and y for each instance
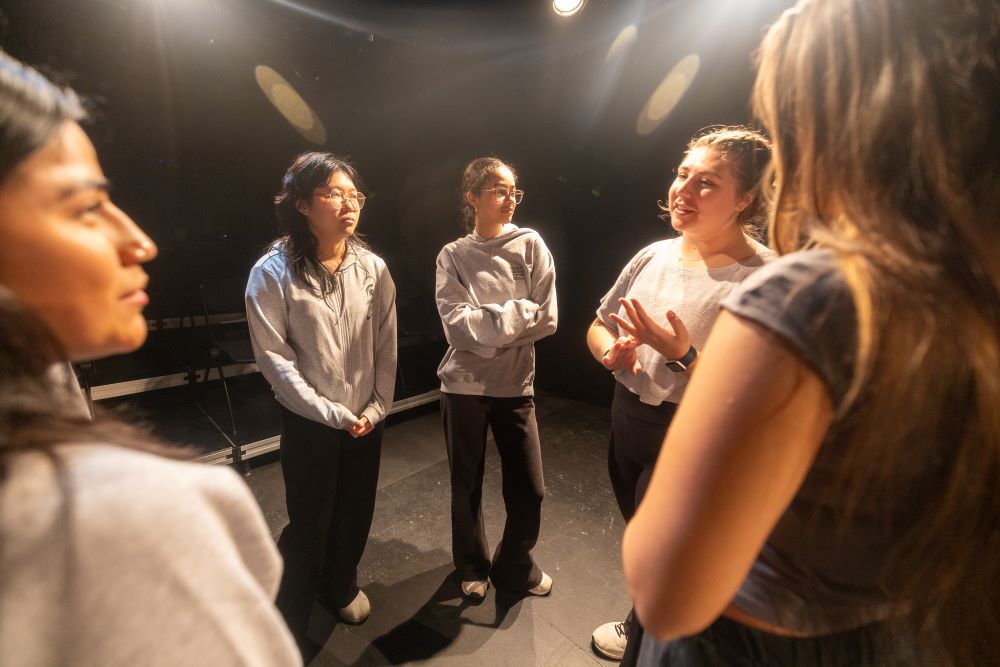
(31, 110)
(474, 177)
(306, 173)
(40, 409)
(36, 411)
(887, 150)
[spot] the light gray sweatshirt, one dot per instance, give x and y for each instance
(116, 557)
(333, 359)
(496, 297)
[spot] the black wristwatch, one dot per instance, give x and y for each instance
(682, 364)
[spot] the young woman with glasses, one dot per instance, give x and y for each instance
(113, 551)
(496, 296)
(657, 315)
(322, 313)
(829, 491)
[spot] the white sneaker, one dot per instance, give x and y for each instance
(544, 586)
(358, 610)
(475, 591)
(610, 640)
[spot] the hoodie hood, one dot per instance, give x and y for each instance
(510, 233)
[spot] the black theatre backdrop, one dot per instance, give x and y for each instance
(409, 90)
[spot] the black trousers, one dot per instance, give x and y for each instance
(637, 432)
(330, 482)
(515, 431)
(726, 643)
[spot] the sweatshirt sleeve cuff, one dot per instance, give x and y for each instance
(374, 413)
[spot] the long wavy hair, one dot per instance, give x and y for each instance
(38, 411)
(474, 177)
(748, 154)
(887, 150)
(307, 172)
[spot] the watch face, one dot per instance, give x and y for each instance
(676, 366)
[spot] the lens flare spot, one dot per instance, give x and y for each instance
(623, 42)
(667, 94)
(290, 104)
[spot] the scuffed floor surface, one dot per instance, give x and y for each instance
(418, 613)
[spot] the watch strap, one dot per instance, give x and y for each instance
(682, 364)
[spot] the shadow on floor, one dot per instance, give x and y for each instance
(393, 638)
(418, 613)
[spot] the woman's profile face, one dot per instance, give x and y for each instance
(332, 210)
(494, 205)
(69, 254)
(704, 198)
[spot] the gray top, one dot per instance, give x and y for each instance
(810, 576)
(656, 278)
(331, 360)
(119, 557)
(496, 297)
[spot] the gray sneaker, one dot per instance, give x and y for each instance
(610, 640)
(358, 610)
(475, 591)
(544, 586)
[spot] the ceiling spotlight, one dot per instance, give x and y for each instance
(567, 7)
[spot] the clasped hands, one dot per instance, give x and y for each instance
(360, 427)
(671, 341)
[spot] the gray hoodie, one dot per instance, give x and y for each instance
(332, 360)
(496, 297)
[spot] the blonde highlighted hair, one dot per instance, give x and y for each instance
(886, 150)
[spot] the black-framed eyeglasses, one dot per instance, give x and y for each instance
(337, 198)
(501, 193)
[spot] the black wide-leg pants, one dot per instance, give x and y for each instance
(466, 419)
(330, 482)
(637, 432)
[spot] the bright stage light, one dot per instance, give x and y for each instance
(567, 7)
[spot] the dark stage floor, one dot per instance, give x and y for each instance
(418, 614)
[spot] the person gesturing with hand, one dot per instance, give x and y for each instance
(713, 204)
(621, 355)
(673, 341)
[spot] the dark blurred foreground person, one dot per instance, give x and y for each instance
(111, 553)
(829, 490)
